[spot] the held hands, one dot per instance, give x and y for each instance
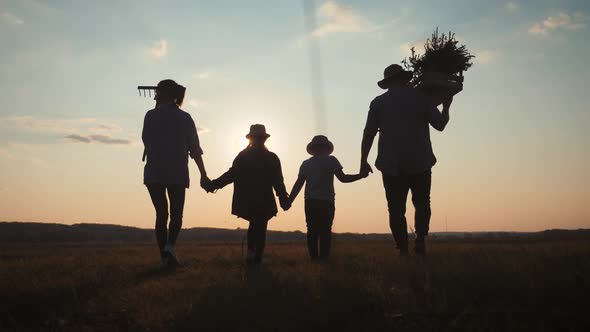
(207, 184)
(365, 169)
(285, 203)
(364, 173)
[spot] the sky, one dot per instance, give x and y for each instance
(514, 157)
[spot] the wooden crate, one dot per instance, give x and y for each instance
(439, 86)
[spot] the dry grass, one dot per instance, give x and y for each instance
(491, 286)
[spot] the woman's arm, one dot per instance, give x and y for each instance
(201, 166)
(279, 184)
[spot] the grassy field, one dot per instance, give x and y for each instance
(471, 286)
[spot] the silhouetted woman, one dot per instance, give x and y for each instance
(254, 173)
(169, 136)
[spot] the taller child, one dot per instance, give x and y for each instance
(255, 172)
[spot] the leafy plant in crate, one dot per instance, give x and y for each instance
(439, 71)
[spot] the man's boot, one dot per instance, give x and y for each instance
(420, 245)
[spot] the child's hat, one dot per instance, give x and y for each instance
(257, 130)
(318, 142)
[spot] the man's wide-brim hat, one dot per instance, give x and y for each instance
(257, 130)
(394, 73)
(319, 142)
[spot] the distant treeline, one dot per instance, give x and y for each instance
(15, 232)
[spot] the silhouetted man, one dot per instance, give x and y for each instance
(169, 135)
(402, 116)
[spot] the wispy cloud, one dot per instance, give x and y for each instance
(103, 139)
(511, 7)
(203, 130)
(108, 127)
(562, 20)
(97, 130)
(418, 45)
(486, 56)
(78, 138)
(27, 122)
(5, 154)
(202, 75)
(160, 48)
(21, 154)
(340, 18)
(10, 19)
(196, 103)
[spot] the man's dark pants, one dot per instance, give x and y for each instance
(396, 191)
(176, 194)
(319, 216)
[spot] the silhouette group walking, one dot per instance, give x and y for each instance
(402, 117)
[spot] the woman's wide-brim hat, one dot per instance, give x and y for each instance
(257, 130)
(394, 73)
(318, 142)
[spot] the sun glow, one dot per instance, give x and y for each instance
(242, 142)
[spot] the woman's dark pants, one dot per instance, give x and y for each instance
(319, 216)
(176, 194)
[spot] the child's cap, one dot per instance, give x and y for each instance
(317, 143)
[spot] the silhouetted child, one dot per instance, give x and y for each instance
(317, 173)
(254, 173)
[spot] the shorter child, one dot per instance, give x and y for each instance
(317, 173)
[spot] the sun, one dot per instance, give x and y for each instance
(242, 142)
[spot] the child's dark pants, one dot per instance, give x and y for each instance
(319, 215)
(257, 238)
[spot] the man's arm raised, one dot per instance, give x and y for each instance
(438, 120)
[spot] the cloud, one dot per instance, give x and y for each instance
(109, 140)
(203, 75)
(10, 19)
(203, 130)
(339, 18)
(72, 129)
(196, 103)
(21, 154)
(109, 127)
(105, 128)
(5, 154)
(160, 48)
(418, 45)
(104, 139)
(511, 7)
(562, 20)
(485, 56)
(27, 122)
(78, 138)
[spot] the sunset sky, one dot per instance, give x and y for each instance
(514, 157)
